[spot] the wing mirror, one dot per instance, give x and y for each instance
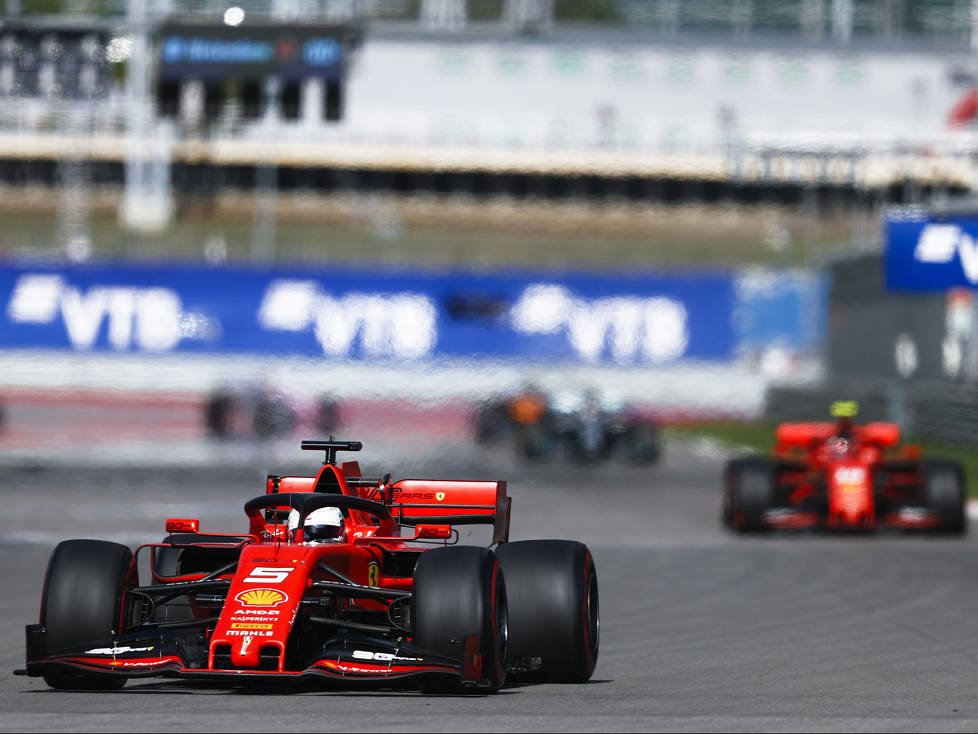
(182, 525)
(387, 488)
(433, 532)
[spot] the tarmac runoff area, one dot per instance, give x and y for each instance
(701, 630)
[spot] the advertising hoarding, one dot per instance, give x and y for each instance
(362, 314)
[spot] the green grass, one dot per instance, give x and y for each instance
(447, 232)
(759, 436)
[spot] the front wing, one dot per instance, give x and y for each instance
(348, 658)
(905, 518)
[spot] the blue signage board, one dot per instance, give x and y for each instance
(253, 51)
(360, 314)
(785, 309)
(924, 253)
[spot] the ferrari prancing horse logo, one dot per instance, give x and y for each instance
(373, 575)
(439, 496)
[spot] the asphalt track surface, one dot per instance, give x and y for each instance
(701, 630)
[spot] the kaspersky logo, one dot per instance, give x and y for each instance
(260, 598)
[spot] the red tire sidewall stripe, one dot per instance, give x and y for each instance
(589, 656)
(497, 662)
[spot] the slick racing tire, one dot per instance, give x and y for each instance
(84, 603)
(644, 445)
(458, 592)
(552, 589)
(491, 423)
(327, 415)
(217, 415)
(748, 492)
(272, 417)
(535, 443)
(944, 490)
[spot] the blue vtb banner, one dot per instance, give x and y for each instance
(927, 254)
(349, 313)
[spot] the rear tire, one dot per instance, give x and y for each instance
(748, 493)
(644, 445)
(944, 490)
(327, 416)
(217, 415)
(458, 592)
(492, 424)
(84, 603)
(272, 417)
(536, 443)
(552, 588)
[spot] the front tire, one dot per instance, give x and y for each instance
(460, 592)
(85, 602)
(644, 445)
(327, 415)
(272, 417)
(748, 493)
(535, 442)
(944, 489)
(492, 424)
(217, 415)
(552, 587)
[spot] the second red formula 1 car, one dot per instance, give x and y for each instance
(842, 476)
(338, 578)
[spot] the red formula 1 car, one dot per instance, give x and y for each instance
(841, 476)
(374, 591)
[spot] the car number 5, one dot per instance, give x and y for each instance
(267, 575)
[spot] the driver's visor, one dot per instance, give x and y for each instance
(322, 532)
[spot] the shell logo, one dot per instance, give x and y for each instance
(261, 597)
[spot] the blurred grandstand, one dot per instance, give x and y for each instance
(208, 127)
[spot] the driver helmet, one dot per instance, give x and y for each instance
(323, 525)
(843, 428)
(844, 411)
(840, 447)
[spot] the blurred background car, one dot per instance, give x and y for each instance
(569, 424)
(843, 476)
(260, 411)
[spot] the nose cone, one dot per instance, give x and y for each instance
(851, 497)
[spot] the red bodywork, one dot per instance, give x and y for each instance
(859, 478)
(273, 609)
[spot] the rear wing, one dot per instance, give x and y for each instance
(449, 502)
(805, 434)
(411, 501)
